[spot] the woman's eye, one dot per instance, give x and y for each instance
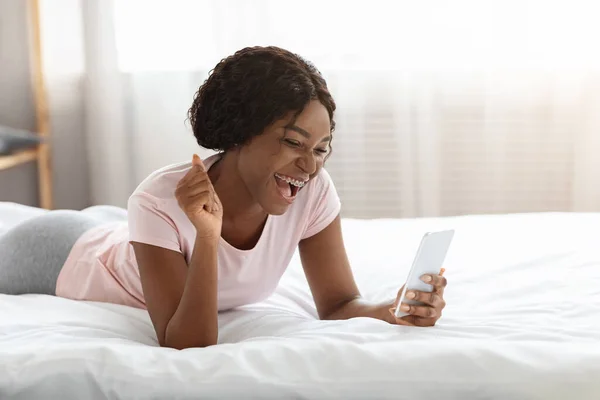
(292, 142)
(322, 151)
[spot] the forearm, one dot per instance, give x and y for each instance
(195, 322)
(358, 307)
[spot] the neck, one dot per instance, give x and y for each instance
(238, 204)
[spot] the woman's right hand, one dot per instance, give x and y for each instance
(197, 198)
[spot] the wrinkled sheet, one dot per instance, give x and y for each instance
(522, 322)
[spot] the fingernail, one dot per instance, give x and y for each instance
(427, 278)
(410, 295)
(196, 160)
(404, 308)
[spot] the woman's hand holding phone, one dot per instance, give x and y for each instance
(428, 313)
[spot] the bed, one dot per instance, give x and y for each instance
(522, 322)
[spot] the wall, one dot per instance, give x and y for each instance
(16, 100)
(70, 173)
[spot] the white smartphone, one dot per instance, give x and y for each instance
(428, 260)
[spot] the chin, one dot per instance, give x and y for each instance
(275, 209)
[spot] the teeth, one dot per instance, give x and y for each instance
(290, 180)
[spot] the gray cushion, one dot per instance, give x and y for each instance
(12, 140)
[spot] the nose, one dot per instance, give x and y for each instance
(307, 163)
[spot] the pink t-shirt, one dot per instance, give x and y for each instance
(102, 265)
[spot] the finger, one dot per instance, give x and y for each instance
(193, 175)
(419, 311)
(194, 179)
(197, 162)
(445, 281)
(396, 320)
(216, 202)
(196, 189)
(195, 204)
(439, 282)
(185, 191)
(198, 178)
(399, 296)
(417, 321)
(200, 201)
(197, 166)
(432, 299)
(413, 320)
(206, 185)
(211, 204)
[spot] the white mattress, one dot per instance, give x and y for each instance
(522, 322)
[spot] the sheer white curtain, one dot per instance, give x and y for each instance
(443, 107)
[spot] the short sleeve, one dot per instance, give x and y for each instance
(324, 205)
(150, 224)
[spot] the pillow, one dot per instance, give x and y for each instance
(12, 140)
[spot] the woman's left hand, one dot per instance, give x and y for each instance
(422, 315)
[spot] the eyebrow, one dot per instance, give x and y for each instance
(305, 133)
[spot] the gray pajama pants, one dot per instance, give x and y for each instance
(33, 252)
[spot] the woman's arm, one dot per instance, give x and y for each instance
(330, 278)
(181, 299)
(336, 296)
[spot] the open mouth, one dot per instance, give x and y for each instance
(287, 186)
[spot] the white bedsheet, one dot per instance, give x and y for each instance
(522, 322)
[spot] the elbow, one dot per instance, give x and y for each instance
(332, 316)
(192, 344)
(181, 342)
(339, 309)
(327, 316)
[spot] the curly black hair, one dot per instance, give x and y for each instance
(251, 89)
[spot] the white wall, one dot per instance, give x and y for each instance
(16, 100)
(19, 184)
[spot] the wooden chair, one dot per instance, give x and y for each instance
(41, 154)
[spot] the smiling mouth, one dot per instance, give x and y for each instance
(288, 187)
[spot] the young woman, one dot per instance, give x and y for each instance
(205, 236)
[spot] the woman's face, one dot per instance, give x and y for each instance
(276, 164)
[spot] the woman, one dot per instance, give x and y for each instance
(211, 235)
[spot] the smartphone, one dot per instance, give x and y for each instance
(428, 260)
